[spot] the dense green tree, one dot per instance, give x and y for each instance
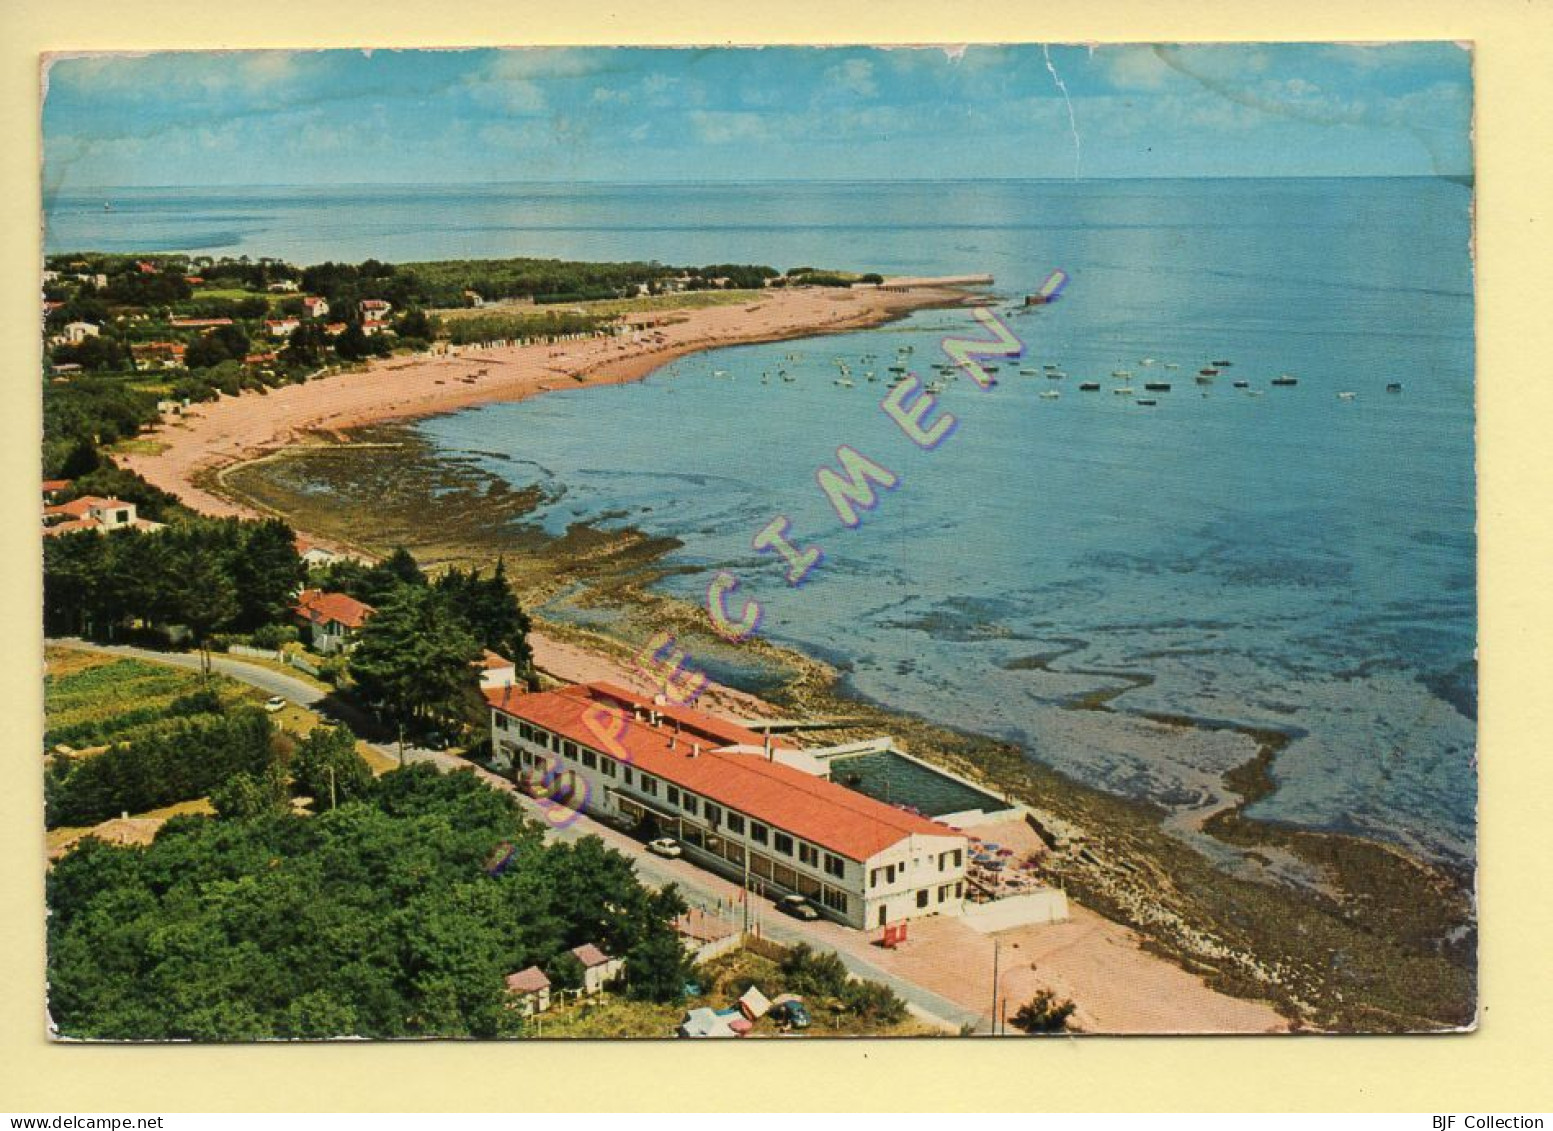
(245, 796)
(327, 768)
(490, 609)
(266, 572)
(413, 661)
(207, 599)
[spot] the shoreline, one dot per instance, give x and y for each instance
(1130, 869)
(1126, 863)
(214, 436)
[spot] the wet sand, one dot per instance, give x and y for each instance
(218, 434)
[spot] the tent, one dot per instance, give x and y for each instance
(754, 1004)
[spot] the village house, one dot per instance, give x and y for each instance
(284, 286)
(375, 308)
(529, 991)
(332, 619)
(54, 488)
(281, 327)
(315, 307)
(372, 326)
(473, 299)
(77, 332)
(92, 512)
(598, 968)
(158, 355)
(731, 800)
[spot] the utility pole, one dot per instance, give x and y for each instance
(331, 788)
(996, 947)
(401, 744)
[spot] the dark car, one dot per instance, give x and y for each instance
(798, 907)
(791, 1014)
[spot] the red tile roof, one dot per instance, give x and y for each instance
(52, 485)
(491, 660)
(318, 607)
(590, 955)
(80, 508)
(529, 981)
(820, 811)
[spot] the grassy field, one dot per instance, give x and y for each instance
(610, 307)
(90, 699)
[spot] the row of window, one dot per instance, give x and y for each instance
(711, 812)
(887, 872)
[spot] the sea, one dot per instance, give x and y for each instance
(1280, 558)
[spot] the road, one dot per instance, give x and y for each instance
(700, 888)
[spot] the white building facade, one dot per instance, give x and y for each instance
(733, 809)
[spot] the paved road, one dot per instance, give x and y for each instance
(265, 679)
(700, 888)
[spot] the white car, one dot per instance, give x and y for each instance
(275, 703)
(665, 846)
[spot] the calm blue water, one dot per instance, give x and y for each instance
(1291, 560)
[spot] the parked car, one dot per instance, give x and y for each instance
(665, 846)
(275, 703)
(798, 907)
(791, 1014)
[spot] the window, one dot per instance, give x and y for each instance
(808, 854)
(630, 776)
(649, 786)
(959, 890)
(713, 814)
(943, 861)
(688, 803)
(958, 857)
(589, 758)
(889, 873)
(672, 793)
(922, 898)
(735, 823)
(525, 732)
(783, 844)
(569, 749)
(608, 766)
(943, 892)
(835, 900)
(757, 832)
(873, 878)
(835, 866)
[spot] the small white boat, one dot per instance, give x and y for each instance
(1172, 365)
(719, 373)
(1346, 396)
(1147, 361)
(1121, 373)
(844, 382)
(1124, 391)
(1050, 395)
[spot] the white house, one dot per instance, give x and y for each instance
(598, 968)
(529, 990)
(281, 327)
(315, 307)
(77, 332)
(734, 806)
(333, 619)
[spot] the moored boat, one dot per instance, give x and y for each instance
(1157, 386)
(1089, 387)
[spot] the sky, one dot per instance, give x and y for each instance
(637, 115)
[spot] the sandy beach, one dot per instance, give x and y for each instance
(218, 434)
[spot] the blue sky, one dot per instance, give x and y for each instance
(341, 117)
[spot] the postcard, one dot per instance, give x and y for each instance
(745, 543)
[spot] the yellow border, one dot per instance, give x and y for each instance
(1501, 1068)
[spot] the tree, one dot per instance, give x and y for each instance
(267, 570)
(1043, 1014)
(327, 768)
(207, 600)
(413, 660)
(246, 796)
(657, 968)
(490, 609)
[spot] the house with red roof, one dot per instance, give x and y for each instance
(598, 969)
(529, 991)
(732, 800)
(91, 512)
(315, 307)
(333, 619)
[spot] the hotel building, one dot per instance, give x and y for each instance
(737, 803)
